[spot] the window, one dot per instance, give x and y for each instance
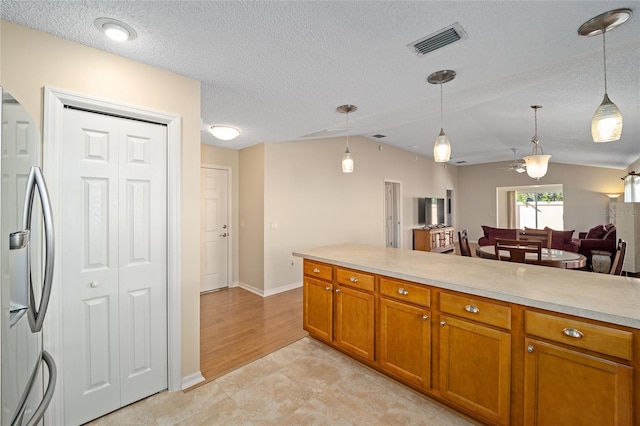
(530, 206)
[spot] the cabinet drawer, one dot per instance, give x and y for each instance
(355, 279)
(318, 270)
(580, 334)
(406, 292)
(477, 310)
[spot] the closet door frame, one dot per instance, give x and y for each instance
(54, 103)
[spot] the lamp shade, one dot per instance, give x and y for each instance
(537, 165)
(225, 133)
(347, 162)
(442, 148)
(606, 125)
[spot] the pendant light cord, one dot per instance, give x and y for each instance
(604, 54)
(441, 113)
(347, 130)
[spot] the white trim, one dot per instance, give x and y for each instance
(192, 380)
(54, 102)
(229, 218)
(272, 291)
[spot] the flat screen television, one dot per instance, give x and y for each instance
(431, 212)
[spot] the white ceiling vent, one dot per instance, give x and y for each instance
(439, 39)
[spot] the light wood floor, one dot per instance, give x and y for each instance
(238, 327)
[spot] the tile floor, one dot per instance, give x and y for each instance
(302, 384)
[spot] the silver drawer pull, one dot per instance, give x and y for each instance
(316, 270)
(530, 348)
(353, 279)
(327, 288)
(337, 290)
(425, 317)
(472, 309)
(572, 332)
(402, 291)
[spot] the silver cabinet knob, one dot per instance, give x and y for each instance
(443, 323)
(473, 309)
(573, 332)
(327, 288)
(223, 235)
(224, 226)
(425, 317)
(403, 292)
(316, 270)
(530, 348)
(94, 284)
(353, 279)
(337, 290)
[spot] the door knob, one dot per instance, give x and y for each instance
(223, 235)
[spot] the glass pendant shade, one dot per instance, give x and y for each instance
(537, 165)
(347, 162)
(442, 148)
(606, 125)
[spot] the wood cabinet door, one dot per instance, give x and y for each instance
(318, 308)
(404, 344)
(354, 322)
(565, 387)
(475, 368)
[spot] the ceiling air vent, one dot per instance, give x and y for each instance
(378, 136)
(437, 40)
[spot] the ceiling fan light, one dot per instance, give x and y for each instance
(537, 165)
(225, 133)
(442, 148)
(606, 125)
(347, 162)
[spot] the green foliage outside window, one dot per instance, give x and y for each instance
(525, 197)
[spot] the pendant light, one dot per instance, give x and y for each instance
(442, 146)
(537, 163)
(606, 125)
(347, 159)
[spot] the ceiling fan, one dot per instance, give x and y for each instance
(517, 166)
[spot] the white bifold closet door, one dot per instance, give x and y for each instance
(113, 232)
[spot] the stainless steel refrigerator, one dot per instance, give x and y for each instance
(27, 248)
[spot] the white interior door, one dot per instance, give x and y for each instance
(392, 214)
(215, 230)
(113, 240)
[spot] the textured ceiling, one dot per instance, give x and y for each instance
(278, 70)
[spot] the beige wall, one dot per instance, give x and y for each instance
(585, 202)
(251, 216)
(32, 60)
(214, 156)
(308, 201)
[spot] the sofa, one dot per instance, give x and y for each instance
(560, 240)
(600, 237)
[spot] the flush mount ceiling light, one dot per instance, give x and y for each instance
(442, 146)
(606, 125)
(347, 160)
(115, 30)
(537, 163)
(225, 133)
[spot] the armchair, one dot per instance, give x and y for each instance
(601, 238)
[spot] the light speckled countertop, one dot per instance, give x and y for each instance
(601, 297)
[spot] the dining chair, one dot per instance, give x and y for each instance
(518, 250)
(618, 259)
(530, 234)
(463, 240)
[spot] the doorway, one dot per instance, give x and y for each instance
(215, 228)
(392, 214)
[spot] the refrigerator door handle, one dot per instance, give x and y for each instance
(48, 395)
(36, 180)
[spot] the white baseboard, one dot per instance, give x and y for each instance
(192, 380)
(272, 291)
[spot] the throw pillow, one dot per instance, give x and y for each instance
(596, 232)
(565, 235)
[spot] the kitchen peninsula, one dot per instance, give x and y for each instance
(502, 342)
